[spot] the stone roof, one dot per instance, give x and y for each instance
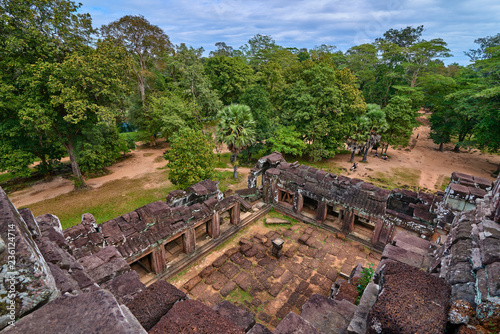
(136, 232)
(342, 190)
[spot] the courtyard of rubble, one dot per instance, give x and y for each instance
(244, 271)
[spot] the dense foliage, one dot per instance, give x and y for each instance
(190, 158)
(63, 93)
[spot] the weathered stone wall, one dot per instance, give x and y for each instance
(26, 281)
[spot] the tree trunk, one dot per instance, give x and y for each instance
(235, 174)
(456, 148)
(366, 153)
(352, 156)
(77, 174)
(441, 146)
(386, 148)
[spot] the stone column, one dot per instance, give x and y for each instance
(300, 203)
(274, 190)
(189, 241)
(235, 214)
(158, 259)
(266, 187)
(348, 221)
(321, 211)
(383, 232)
(214, 226)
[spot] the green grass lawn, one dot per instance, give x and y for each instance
(109, 201)
(226, 179)
(4, 177)
(397, 178)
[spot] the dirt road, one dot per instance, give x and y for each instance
(425, 157)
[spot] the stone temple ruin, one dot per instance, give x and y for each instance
(439, 267)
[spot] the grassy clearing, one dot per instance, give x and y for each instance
(226, 179)
(109, 201)
(4, 177)
(223, 160)
(397, 178)
(442, 182)
(328, 165)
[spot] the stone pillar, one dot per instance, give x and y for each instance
(235, 214)
(189, 241)
(158, 259)
(300, 203)
(384, 235)
(321, 211)
(274, 190)
(252, 179)
(266, 187)
(214, 226)
(348, 221)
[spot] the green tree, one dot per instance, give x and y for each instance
(190, 158)
(257, 99)
(192, 81)
(369, 129)
(164, 114)
(145, 43)
(230, 76)
(322, 103)
(484, 43)
(236, 129)
(404, 37)
(487, 94)
(65, 98)
(30, 31)
(287, 140)
(401, 120)
(258, 49)
(222, 50)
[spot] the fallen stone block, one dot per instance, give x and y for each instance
(154, 302)
(404, 256)
(273, 220)
(259, 329)
(326, 315)
(360, 317)
(240, 317)
(95, 312)
(294, 323)
(125, 287)
(190, 317)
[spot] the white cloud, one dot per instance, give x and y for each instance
(307, 23)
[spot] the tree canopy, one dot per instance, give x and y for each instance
(190, 157)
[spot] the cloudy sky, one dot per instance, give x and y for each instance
(295, 23)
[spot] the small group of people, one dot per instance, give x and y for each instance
(383, 156)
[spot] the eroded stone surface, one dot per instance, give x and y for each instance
(96, 312)
(240, 317)
(154, 302)
(410, 301)
(293, 323)
(326, 315)
(190, 317)
(27, 277)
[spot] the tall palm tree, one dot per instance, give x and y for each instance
(236, 129)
